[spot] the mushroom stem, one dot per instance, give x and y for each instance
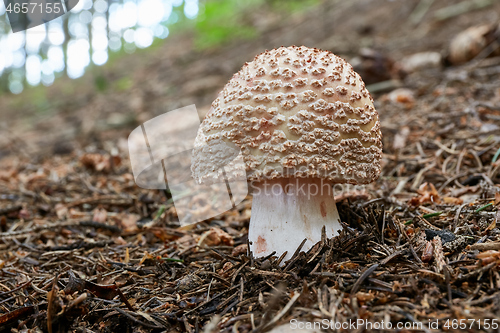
(287, 211)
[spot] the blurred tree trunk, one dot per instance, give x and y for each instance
(91, 10)
(67, 38)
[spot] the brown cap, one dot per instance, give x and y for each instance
(298, 112)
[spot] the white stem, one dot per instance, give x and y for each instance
(287, 211)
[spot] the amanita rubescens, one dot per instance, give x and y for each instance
(304, 122)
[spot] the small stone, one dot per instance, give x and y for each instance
(446, 236)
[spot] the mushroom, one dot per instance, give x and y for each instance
(304, 122)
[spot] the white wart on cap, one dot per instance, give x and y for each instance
(300, 116)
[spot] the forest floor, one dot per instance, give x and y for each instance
(84, 249)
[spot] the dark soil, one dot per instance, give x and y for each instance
(83, 249)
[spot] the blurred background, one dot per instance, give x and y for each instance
(72, 90)
(86, 35)
(109, 65)
(95, 31)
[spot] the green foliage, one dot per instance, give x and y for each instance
(39, 99)
(218, 22)
(293, 6)
(33, 100)
(4, 84)
(124, 84)
(101, 83)
(223, 21)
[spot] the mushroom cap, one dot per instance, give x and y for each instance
(215, 161)
(296, 112)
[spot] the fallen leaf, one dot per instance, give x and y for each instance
(428, 193)
(400, 138)
(421, 61)
(99, 162)
(215, 236)
(402, 96)
(76, 214)
(364, 297)
(128, 222)
(240, 249)
(428, 252)
(453, 201)
(61, 211)
(7, 175)
(224, 271)
(186, 241)
(470, 42)
(100, 215)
